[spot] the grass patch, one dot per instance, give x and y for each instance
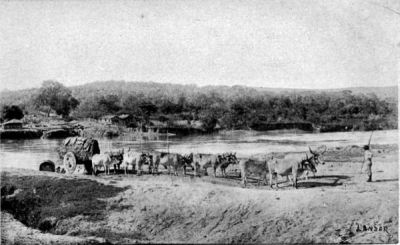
(44, 200)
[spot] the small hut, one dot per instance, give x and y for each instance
(109, 119)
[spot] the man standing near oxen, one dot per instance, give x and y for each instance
(368, 161)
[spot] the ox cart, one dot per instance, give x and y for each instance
(77, 152)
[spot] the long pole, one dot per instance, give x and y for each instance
(370, 137)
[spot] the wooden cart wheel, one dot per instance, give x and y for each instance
(47, 165)
(69, 162)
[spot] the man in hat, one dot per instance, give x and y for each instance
(368, 160)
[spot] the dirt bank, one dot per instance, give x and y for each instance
(337, 206)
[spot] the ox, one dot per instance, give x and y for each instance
(133, 159)
(154, 162)
(101, 160)
(317, 157)
(203, 161)
(293, 164)
(186, 161)
(252, 166)
(225, 160)
(171, 161)
(116, 158)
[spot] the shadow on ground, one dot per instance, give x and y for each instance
(41, 202)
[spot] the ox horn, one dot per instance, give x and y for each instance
(311, 151)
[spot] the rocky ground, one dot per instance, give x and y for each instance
(336, 206)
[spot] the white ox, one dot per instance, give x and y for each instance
(133, 159)
(101, 160)
(292, 164)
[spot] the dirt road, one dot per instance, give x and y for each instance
(337, 206)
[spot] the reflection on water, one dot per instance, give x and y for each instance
(28, 153)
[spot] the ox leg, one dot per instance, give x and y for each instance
(244, 179)
(270, 179)
(265, 178)
(155, 170)
(215, 172)
(197, 169)
(184, 170)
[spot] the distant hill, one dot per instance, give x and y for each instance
(231, 107)
(123, 88)
(390, 92)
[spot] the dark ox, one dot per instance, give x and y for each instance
(254, 167)
(172, 162)
(186, 161)
(225, 160)
(317, 157)
(204, 161)
(155, 158)
(292, 164)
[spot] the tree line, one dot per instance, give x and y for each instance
(228, 107)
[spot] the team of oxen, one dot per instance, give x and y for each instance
(291, 166)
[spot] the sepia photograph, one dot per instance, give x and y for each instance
(199, 121)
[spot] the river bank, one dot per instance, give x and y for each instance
(52, 128)
(333, 207)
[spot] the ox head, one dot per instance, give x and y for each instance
(309, 164)
(146, 158)
(233, 159)
(317, 157)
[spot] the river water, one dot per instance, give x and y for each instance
(29, 153)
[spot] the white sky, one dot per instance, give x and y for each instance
(274, 43)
